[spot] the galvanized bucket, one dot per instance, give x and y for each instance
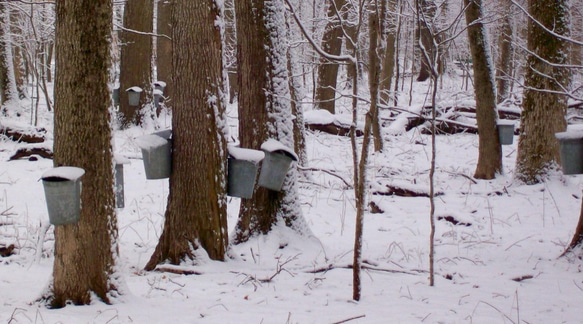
(242, 171)
(278, 159)
(505, 132)
(157, 154)
(134, 95)
(62, 186)
(571, 151)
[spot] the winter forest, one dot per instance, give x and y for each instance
(291, 161)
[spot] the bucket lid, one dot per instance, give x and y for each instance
(135, 89)
(250, 155)
(505, 122)
(158, 139)
(65, 172)
(272, 146)
(569, 135)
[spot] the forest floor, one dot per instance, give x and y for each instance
(497, 243)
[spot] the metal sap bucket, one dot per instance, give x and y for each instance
(62, 186)
(505, 132)
(275, 165)
(242, 171)
(157, 154)
(571, 151)
(134, 95)
(119, 181)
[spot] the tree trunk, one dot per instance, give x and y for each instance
(85, 252)
(5, 93)
(376, 53)
(424, 36)
(388, 69)
(328, 70)
(136, 58)
(264, 113)
(544, 110)
(17, 58)
(504, 66)
(490, 151)
(164, 45)
(196, 216)
(577, 239)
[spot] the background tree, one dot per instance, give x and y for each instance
(544, 103)
(424, 36)
(136, 57)
(490, 151)
(84, 252)
(388, 69)
(7, 92)
(196, 215)
(265, 112)
(505, 49)
(163, 44)
(328, 69)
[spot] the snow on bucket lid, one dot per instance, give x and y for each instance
(160, 83)
(570, 135)
(158, 139)
(64, 172)
(272, 146)
(246, 154)
(134, 89)
(505, 122)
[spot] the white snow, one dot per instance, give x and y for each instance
(65, 172)
(273, 145)
(246, 154)
(135, 89)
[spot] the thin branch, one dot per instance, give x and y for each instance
(140, 32)
(328, 172)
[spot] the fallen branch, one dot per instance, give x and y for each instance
(176, 270)
(30, 151)
(349, 319)
(367, 267)
(332, 173)
(392, 189)
(333, 128)
(23, 135)
(7, 251)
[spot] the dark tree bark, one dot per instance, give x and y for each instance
(504, 66)
(328, 70)
(85, 252)
(544, 106)
(264, 113)
(490, 151)
(5, 93)
(424, 36)
(388, 69)
(164, 45)
(376, 54)
(196, 216)
(17, 58)
(136, 58)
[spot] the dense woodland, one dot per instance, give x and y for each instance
(278, 61)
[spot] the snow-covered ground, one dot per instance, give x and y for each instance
(499, 264)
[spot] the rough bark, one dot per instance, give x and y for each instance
(376, 53)
(264, 113)
(489, 151)
(196, 215)
(136, 58)
(17, 56)
(328, 70)
(543, 108)
(85, 252)
(504, 64)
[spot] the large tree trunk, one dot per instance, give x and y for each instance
(196, 216)
(328, 70)
(376, 54)
(5, 93)
(544, 111)
(264, 113)
(84, 252)
(136, 58)
(490, 151)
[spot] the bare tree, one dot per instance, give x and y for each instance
(328, 69)
(136, 58)
(85, 252)
(505, 48)
(544, 103)
(490, 151)
(164, 44)
(265, 113)
(196, 215)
